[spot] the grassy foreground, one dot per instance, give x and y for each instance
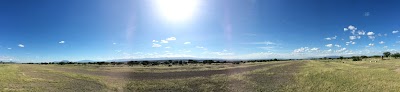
(317, 76)
(296, 76)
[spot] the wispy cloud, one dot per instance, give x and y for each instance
(171, 38)
(262, 43)
(187, 43)
(395, 31)
(21, 45)
(156, 45)
(329, 45)
(61, 42)
(200, 47)
(164, 41)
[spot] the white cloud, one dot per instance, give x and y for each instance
(345, 29)
(21, 45)
(167, 47)
(154, 41)
(187, 43)
(164, 41)
(301, 50)
(305, 49)
(314, 49)
(395, 31)
(341, 50)
(381, 42)
(331, 38)
(328, 39)
(370, 33)
(329, 45)
(262, 43)
(353, 43)
(171, 38)
(352, 37)
(337, 45)
(9, 48)
(371, 44)
(114, 43)
(156, 45)
(351, 27)
(200, 47)
(371, 37)
(61, 42)
(362, 32)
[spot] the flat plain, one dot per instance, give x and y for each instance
(304, 76)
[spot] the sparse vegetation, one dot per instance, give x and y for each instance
(256, 75)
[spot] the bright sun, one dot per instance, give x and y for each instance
(177, 10)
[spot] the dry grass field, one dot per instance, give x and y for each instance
(311, 75)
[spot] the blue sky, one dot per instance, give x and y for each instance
(48, 30)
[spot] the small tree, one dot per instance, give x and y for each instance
(341, 57)
(396, 55)
(386, 54)
(356, 58)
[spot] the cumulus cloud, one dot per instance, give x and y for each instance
(167, 47)
(154, 41)
(301, 50)
(329, 45)
(371, 37)
(361, 32)
(345, 29)
(171, 38)
(164, 41)
(371, 44)
(21, 45)
(351, 27)
(9, 48)
(370, 33)
(341, 50)
(381, 42)
(156, 45)
(305, 49)
(61, 42)
(352, 37)
(114, 43)
(187, 43)
(395, 31)
(314, 49)
(337, 45)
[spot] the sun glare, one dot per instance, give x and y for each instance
(177, 10)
